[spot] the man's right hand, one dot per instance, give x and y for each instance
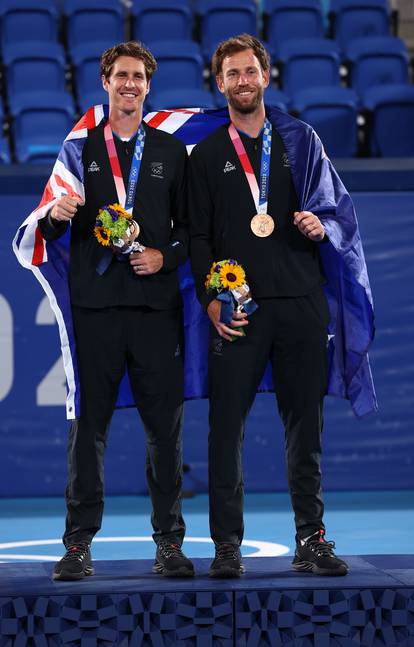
(227, 332)
(65, 208)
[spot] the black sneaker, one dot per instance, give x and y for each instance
(170, 561)
(317, 556)
(227, 562)
(76, 564)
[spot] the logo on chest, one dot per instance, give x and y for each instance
(93, 167)
(157, 170)
(228, 167)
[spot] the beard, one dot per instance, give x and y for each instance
(240, 106)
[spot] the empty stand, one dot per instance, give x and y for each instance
(333, 114)
(309, 62)
(182, 35)
(86, 74)
(41, 122)
(94, 20)
(179, 65)
(4, 146)
(26, 20)
(360, 19)
(377, 61)
(185, 98)
(276, 99)
(392, 120)
(221, 19)
(288, 19)
(34, 66)
(155, 20)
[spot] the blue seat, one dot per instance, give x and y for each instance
(179, 65)
(87, 81)
(221, 19)
(292, 19)
(334, 5)
(92, 99)
(276, 99)
(309, 62)
(332, 112)
(392, 120)
(26, 20)
(379, 60)
(41, 122)
(4, 146)
(4, 151)
(94, 20)
(155, 20)
(360, 19)
(187, 98)
(34, 66)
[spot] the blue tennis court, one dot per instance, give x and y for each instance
(380, 522)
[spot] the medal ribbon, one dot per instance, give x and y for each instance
(259, 194)
(126, 198)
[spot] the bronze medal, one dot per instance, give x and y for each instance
(262, 225)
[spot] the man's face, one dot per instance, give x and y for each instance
(127, 85)
(243, 81)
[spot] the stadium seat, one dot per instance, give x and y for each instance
(379, 60)
(155, 20)
(25, 20)
(276, 99)
(41, 122)
(179, 65)
(221, 19)
(360, 19)
(334, 5)
(4, 146)
(392, 120)
(307, 63)
(332, 112)
(4, 151)
(292, 19)
(187, 98)
(34, 66)
(94, 20)
(86, 77)
(92, 99)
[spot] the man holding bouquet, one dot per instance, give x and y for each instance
(126, 307)
(244, 206)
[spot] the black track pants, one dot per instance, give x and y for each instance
(292, 334)
(149, 344)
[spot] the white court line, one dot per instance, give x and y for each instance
(263, 548)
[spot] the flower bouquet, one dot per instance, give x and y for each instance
(115, 228)
(228, 279)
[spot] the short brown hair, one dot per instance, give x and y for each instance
(131, 48)
(239, 44)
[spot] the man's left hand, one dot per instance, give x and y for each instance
(147, 262)
(309, 225)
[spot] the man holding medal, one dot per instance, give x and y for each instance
(126, 309)
(243, 205)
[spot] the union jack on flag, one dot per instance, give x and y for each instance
(319, 190)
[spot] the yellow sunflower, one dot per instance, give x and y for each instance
(103, 235)
(120, 210)
(207, 281)
(232, 276)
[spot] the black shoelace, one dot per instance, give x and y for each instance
(320, 547)
(77, 551)
(170, 550)
(226, 551)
